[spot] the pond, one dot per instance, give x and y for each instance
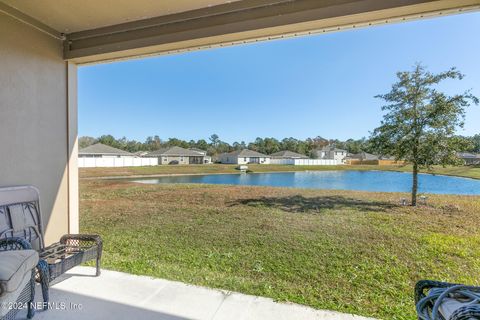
(387, 181)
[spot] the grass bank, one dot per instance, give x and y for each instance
(349, 251)
(464, 171)
(461, 171)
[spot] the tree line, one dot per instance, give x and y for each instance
(215, 145)
(419, 127)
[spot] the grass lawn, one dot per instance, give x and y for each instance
(463, 171)
(349, 251)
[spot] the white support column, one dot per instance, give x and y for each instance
(73, 196)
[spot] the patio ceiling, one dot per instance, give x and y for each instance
(95, 31)
(79, 15)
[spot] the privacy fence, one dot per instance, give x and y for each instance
(84, 162)
(306, 162)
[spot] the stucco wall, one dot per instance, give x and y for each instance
(259, 160)
(168, 159)
(223, 158)
(33, 119)
(243, 160)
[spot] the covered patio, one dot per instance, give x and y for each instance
(116, 295)
(42, 43)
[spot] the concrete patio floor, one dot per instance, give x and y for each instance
(117, 295)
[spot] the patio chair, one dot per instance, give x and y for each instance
(436, 300)
(17, 277)
(20, 217)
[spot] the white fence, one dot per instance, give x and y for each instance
(84, 162)
(306, 162)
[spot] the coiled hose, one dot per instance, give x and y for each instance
(428, 307)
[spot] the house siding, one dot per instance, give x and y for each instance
(229, 159)
(332, 155)
(169, 159)
(33, 114)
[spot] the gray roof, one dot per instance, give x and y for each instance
(288, 154)
(174, 151)
(386, 157)
(331, 148)
(364, 156)
(468, 155)
(198, 150)
(99, 148)
(246, 153)
(141, 153)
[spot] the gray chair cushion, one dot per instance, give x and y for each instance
(14, 265)
(8, 298)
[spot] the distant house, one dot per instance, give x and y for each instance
(363, 156)
(371, 159)
(297, 159)
(244, 156)
(140, 153)
(331, 153)
(198, 150)
(206, 159)
(469, 158)
(390, 158)
(285, 154)
(179, 155)
(100, 150)
(100, 155)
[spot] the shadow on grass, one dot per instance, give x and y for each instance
(299, 203)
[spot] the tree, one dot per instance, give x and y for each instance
(355, 146)
(153, 143)
(319, 142)
(86, 141)
(214, 140)
(239, 145)
(108, 140)
(174, 142)
(201, 144)
(420, 121)
(270, 145)
(475, 141)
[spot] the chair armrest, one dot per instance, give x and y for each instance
(82, 240)
(81, 237)
(14, 243)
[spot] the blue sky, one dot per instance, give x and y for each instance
(300, 87)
